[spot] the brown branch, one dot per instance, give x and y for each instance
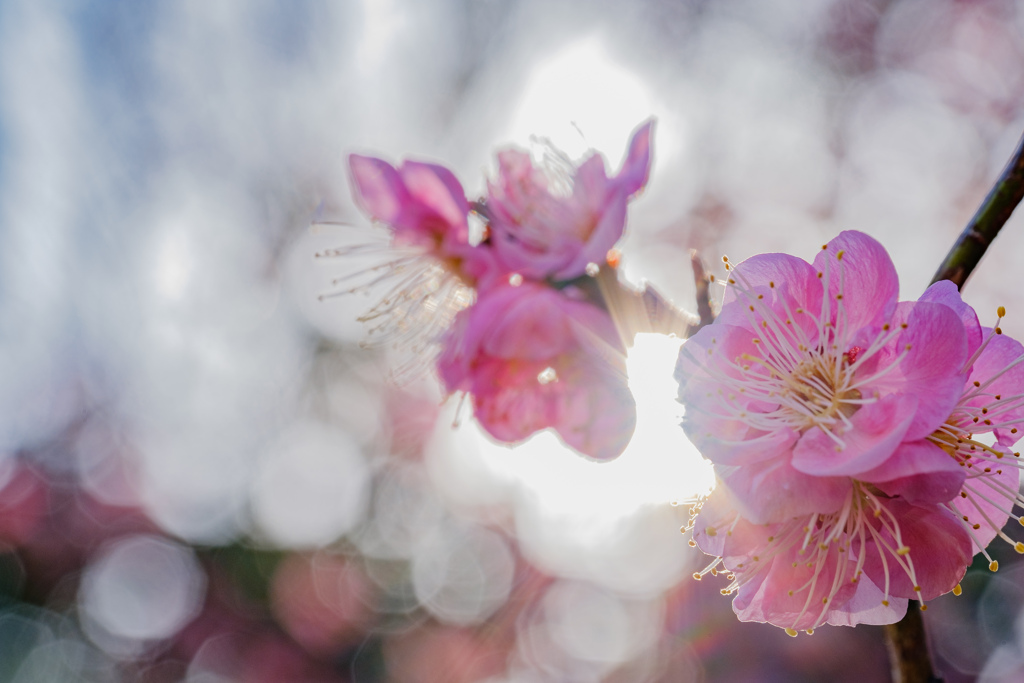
(703, 281)
(993, 213)
(908, 649)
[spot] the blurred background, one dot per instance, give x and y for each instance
(204, 477)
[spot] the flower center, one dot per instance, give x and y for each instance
(821, 391)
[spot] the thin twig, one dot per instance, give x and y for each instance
(908, 649)
(702, 280)
(993, 213)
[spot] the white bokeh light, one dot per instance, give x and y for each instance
(142, 588)
(580, 99)
(465, 577)
(311, 488)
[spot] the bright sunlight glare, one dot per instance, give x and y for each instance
(580, 99)
(658, 467)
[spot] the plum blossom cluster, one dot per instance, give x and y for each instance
(863, 445)
(531, 343)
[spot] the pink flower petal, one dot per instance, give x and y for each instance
(509, 403)
(637, 165)
(423, 203)
(378, 188)
(606, 233)
(929, 355)
(945, 292)
(865, 276)
(596, 414)
(713, 420)
(539, 233)
(918, 472)
(1000, 373)
(877, 429)
(531, 322)
(987, 502)
(533, 358)
(719, 530)
(866, 607)
(772, 491)
(940, 550)
(792, 594)
(788, 285)
(437, 189)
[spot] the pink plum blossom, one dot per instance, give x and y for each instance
(531, 352)
(425, 206)
(813, 375)
(852, 566)
(550, 227)
(533, 357)
(841, 423)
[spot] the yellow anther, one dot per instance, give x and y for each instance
(1001, 312)
(885, 603)
(993, 566)
(1019, 548)
(957, 590)
(710, 531)
(839, 256)
(924, 608)
(696, 575)
(917, 589)
(903, 551)
(791, 632)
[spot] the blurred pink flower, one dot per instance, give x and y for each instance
(322, 601)
(425, 206)
(550, 223)
(439, 653)
(533, 357)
